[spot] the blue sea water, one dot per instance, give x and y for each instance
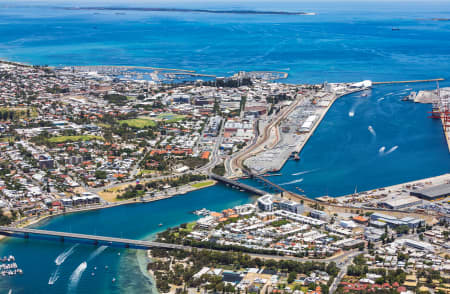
(344, 42)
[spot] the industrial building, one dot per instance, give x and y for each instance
(400, 202)
(433, 193)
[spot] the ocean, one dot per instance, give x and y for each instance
(345, 41)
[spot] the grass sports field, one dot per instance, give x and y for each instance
(64, 139)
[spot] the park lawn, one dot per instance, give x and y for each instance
(147, 172)
(63, 139)
(7, 139)
(171, 117)
(203, 184)
(139, 123)
(103, 125)
(189, 227)
(112, 193)
(21, 111)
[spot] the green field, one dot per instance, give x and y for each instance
(139, 123)
(64, 139)
(20, 112)
(170, 117)
(203, 184)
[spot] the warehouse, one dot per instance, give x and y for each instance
(433, 193)
(400, 202)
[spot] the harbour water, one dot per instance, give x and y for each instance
(367, 142)
(339, 44)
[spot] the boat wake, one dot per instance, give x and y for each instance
(380, 99)
(352, 111)
(392, 149)
(97, 252)
(305, 172)
(372, 131)
(63, 256)
(76, 276)
(54, 277)
(383, 151)
(292, 182)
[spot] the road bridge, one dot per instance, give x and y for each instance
(139, 244)
(236, 184)
(94, 239)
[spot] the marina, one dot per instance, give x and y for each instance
(8, 266)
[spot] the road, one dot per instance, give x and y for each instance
(269, 131)
(347, 261)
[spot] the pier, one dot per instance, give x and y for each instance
(93, 239)
(236, 184)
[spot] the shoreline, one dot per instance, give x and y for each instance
(425, 181)
(189, 188)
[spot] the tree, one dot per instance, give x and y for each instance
(291, 277)
(100, 174)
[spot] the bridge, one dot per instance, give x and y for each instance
(236, 184)
(94, 239)
(138, 244)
